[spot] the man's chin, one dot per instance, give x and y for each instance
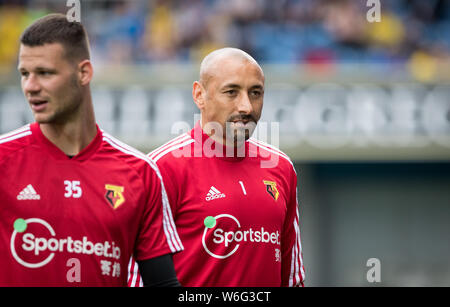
(242, 132)
(238, 138)
(43, 118)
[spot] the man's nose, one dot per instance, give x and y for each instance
(31, 84)
(244, 105)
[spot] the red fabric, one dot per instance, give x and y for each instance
(100, 208)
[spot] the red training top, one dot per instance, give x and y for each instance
(236, 213)
(77, 221)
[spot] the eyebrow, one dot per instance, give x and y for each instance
(259, 87)
(39, 68)
(231, 85)
(237, 86)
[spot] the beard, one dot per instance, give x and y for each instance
(68, 104)
(239, 128)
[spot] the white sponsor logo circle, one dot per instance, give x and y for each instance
(232, 235)
(206, 230)
(13, 249)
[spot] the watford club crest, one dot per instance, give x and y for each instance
(114, 195)
(271, 188)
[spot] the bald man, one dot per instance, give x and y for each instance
(224, 74)
(238, 220)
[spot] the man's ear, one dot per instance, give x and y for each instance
(198, 94)
(85, 72)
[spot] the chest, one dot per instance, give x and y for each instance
(75, 199)
(245, 192)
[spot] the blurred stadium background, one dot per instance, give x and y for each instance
(363, 111)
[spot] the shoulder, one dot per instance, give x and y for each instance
(172, 149)
(128, 155)
(274, 157)
(15, 140)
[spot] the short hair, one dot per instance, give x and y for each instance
(55, 28)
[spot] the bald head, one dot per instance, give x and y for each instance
(229, 95)
(216, 59)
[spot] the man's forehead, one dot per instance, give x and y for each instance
(235, 74)
(238, 73)
(50, 53)
(225, 61)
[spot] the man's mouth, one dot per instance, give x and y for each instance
(240, 122)
(241, 118)
(243, 122)
(38, 104)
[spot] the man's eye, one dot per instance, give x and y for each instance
(44, 73)
(231, 92)
(255, 93)
(24, 73)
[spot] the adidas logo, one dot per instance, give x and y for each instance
(214, 194)
(28, 193)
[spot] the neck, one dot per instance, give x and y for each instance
(208, 129)
(73, 135)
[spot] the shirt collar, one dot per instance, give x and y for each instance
(57, 153)
(210, 148)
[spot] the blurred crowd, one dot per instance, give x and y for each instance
(414, 32)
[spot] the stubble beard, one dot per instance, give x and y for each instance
(69, 107)
(237, 137)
